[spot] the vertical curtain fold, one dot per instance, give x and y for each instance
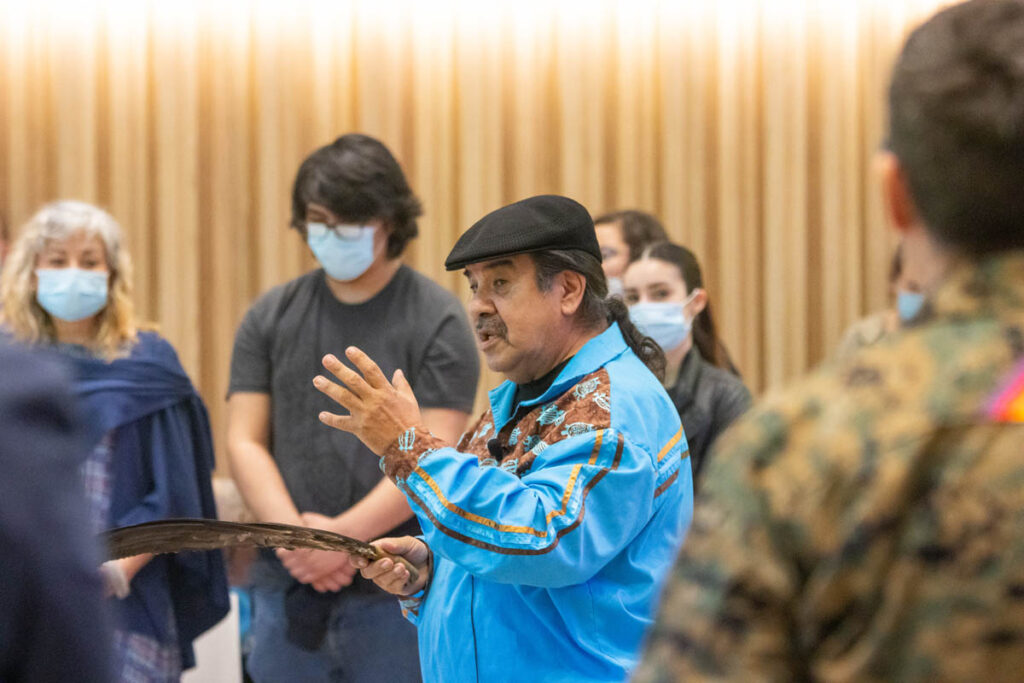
(748, 127)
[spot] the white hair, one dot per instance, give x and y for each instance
(21, 314)
(61, 219)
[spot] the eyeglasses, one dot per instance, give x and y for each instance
(349, 233)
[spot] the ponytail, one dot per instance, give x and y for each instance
(707, 341)
(597, 308)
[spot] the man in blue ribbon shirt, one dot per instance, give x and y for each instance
(549, 528)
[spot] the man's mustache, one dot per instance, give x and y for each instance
(492, 325)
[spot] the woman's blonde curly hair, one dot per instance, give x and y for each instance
(22, 315)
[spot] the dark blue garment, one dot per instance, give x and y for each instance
(54, 625)
(162, 462)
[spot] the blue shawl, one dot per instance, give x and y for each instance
(161, 465)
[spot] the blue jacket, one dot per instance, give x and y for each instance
(552, 530)
(161, 466)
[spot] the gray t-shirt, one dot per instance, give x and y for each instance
(412, 324)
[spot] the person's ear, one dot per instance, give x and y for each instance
(698, 303)
(573, 286)
(897, 201)
(381, 237)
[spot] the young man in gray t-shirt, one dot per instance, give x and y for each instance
(314, 617)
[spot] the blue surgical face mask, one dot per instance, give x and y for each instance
(71, 294)
(345, 251)
(665, 322)
(909, 304)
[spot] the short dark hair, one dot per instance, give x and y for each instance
(597, 308)
(358, 179)
(956, 105)
(638, 229)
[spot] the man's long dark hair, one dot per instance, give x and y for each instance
(597, 308)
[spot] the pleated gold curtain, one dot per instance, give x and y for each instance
(748, 127)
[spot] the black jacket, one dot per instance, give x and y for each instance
(708, 400)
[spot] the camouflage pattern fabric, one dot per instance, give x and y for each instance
(868, 525)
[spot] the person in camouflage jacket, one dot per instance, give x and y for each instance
(868, 524)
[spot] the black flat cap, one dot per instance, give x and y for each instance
(535, 224)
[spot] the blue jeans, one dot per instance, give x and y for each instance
(368, 639)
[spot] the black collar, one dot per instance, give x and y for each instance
(531, 390)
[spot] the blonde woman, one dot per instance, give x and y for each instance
(66, 285)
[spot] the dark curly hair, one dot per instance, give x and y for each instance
(358, 179)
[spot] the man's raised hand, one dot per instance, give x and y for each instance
(379, 411)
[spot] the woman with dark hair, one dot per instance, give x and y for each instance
(665, 291)
(623, 236)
